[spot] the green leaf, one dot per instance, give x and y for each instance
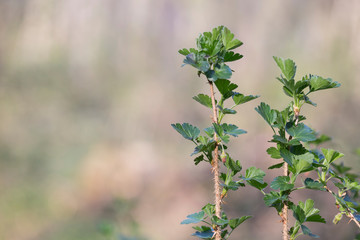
(205, 235)
(225, 87)
(318, 83)
(218, 221)
(232, 129)
(301, 132)
(337, 218)
(281, 183)
(254, 176)
(268, 114)
(184, 51)
(204, 100)
(193, 60)
(228, 39)
(299, 214)
(311, 184)
(240, 98)
(209, 209)
(273, 198)
(274, 152)
(279, 165)
(235, 166)
(288, 67)
(319, 140)
(231, 56)
(222, 71)
(331, 155)
(194, 218)
(226, 110)
(198, 159)
(187, 130)
(220, 132)
(307, 231)
(234, 223)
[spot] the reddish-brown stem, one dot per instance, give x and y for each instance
(215, 165)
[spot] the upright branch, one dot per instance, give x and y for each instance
(215, 164)
(213, 51)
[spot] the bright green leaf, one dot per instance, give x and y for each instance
(300, 132)
(225, 86)
(268, 114)
(204, 100)
(318, 83)
(281, 183)
(228, 39)
(232, 129)
(274, 152)
(234, 223)
(187, 130)
(240, 98)
(287, 66)
(331, 155)
(184, 51)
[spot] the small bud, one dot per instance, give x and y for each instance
(223, 157)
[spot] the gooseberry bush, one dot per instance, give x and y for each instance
(296, 145)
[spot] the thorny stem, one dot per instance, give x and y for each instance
(215, 165)
(285, 209)
(349, 214)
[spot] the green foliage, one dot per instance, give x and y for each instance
(209, 58)
(291, 137)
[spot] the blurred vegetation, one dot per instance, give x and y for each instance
(88, 90)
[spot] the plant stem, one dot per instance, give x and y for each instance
(349, 213)
(215, 165)
(284, 212)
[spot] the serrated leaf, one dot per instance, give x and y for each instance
(209, 209)
(267, 113)
(235, 166)
(272, 198)
(192, 60)
(308, 232)
(228, 39)
(204, 235)
(231, 56)
(219, 221)
(281, 183)
(234, 223)
(331, 155)
(239, 98)
(194, 218)
(222, 71)
(273, 152)
(225, 86)
(232, 129)
(187, 130)
(184, 51)
(204, 100)
(300, 132)
(198, 159)
(279, 165)
(287, 66)
(254, 176)
(321, 139)
(220, 132)
(318, 83)
(311, 184)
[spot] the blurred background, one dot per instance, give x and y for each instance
(88, 90)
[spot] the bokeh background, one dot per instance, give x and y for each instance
(88, 90)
